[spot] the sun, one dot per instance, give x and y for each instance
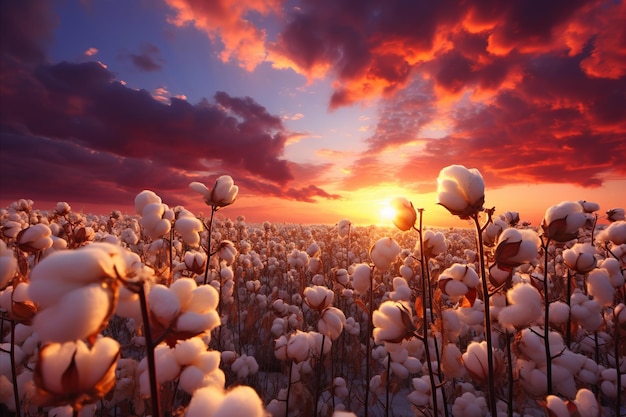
(387, 213)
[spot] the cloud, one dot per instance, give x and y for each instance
(77, 127)
(148, 59)
(25, 29)
(229, 22)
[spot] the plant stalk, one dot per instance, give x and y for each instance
(154, 389)
(490, 376)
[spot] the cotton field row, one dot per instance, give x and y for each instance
(165, 313)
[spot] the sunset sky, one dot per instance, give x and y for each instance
(320, 110)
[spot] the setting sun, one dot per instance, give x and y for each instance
(387, 213)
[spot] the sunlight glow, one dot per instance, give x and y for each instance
(387, 213)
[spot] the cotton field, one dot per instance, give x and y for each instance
(165, 313)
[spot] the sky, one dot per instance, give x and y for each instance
(320, 110)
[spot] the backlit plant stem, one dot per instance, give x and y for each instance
(370, 319)
(208, 247)
(483, 275)
(426, 325)
(154, 389)
(546, 319)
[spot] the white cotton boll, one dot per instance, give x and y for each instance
(390, 321)
(612, 266)
(318, 297)
(183, 288)
(361, 278)
(11, 229)
(384, 252)
(468, 405)
(580, 257)
(534, 380)
(460, 190)
(8, 265)
(557, 406)
(167, 367)
(406, 272)
(476, 361)
(589, 373)
(412, 364)
(85, 308)
(205, 402)
(399, 370)
(525, 307)
(615, 233)
(93, 363)
(278, 327)
(341, 276)
(144, 198)
(153, 221)
(315, 343)
(452, 361)
(164, 304)
(203, 299)
(36, 237)
(187, 350)
(599, 286)
(240, 401)
(53, 362)
(453, 288)
(331, 323)
(402, 291)
(298, 346)
(195, 323)
(208, 361)
(587, 403)
(189, 228)
(559, 312)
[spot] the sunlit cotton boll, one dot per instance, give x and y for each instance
(580, 258)
(92, 271)
(215, 402)
(460, 190)
(343, 227)
(35, 238)
(8, 265)
(75, 372)
(189, 227)
(612, 266)
(615, 214)
(227, 251)
(561, 222)
(156, 220)
(405, 215)
(434, 244)
(318, 297)
(223, 193)
(516, 247)
(393, 322)
(476, 361)
(384, 252)
(614, 233)
(144, 198)
(401, 290)
(492, 231)
(525, 306)
(331, 323)
(361, 278)
(468, 405)
(457, 280)
(599, 286)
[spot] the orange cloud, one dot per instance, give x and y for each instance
(228, 21)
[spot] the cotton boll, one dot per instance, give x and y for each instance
(187, 350)
(468, 405)
(8, 265)
(144, 198)
(559, 312)
(85, 308)
(384, 252)
(164, 304)
(361, 278)
(599, 286)
(401, 290)
(189, 228)
(240, 401)
(525, 307)
(452, 361)
(331, 323)
(580, 258)
(205, 402)
(460, 190)
(167, 367)
(318, 297)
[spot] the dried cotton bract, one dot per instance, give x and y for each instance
(461, 191)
